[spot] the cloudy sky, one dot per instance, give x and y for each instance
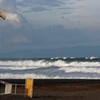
(49, 24)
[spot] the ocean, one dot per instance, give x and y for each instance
(50, 68)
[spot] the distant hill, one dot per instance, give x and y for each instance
(78, 51)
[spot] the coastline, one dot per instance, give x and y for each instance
(59, 89)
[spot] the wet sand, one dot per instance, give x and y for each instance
(57, 89)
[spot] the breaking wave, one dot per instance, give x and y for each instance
(51, 68)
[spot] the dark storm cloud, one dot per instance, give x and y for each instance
(55, 36)
(52, 35)
(20, 35)
(38, 38)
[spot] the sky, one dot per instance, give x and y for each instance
(49, 24)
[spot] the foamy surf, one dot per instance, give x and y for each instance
(51, 68)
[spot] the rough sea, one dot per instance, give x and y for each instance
(51, 68)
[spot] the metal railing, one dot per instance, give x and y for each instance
(18, 89)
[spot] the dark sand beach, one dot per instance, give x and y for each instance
(56, 89)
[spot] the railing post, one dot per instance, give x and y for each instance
(8, 88)
(29, 87)
(15, 88)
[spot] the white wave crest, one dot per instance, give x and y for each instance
(92, 57)
(22, 76)
(29, 64)
(35, 76)
(80, 69)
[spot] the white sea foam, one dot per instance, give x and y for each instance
(40, 76)
(91, 58)
(22, 76)
(50, 69)
(22, 65)
(80, 69)
(64, 57)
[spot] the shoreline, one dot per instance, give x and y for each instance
(59, 89)
(54, 81)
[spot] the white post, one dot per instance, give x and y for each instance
(8, 88)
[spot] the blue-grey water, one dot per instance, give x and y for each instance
(50, 68)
